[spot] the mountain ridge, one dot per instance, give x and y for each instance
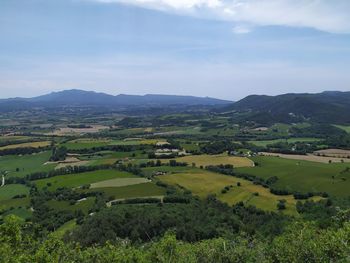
(88, 98)
(328, 106)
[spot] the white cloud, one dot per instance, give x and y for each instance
(325, 15)
(242, 29)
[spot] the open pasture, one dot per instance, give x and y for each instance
(205, 160)
(84, 205)
(77, 180)
(10, 190)
(15, 203)
(25, 164)
(130, 191)
(303, 176)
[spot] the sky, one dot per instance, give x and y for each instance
(218, 48)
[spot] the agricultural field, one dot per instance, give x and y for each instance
(26, 145)
(11, 190)
(205, 160)
(312, 157)
(202, 183)
(343, 127)
(130, 191)
(289, 140)
(94, 143)
(77, 180)
(303, 176)
(83, 205)
(119, 182)
(20, 166)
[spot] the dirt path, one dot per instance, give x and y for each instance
(2, 181)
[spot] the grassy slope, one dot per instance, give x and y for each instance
(10, 190)
(132, 191)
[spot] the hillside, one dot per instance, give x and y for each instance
(330, 107)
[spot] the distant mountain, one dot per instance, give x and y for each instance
(329, 106)
(74, 98)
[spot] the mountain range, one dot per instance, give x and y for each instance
(328, 106)
(75, 98)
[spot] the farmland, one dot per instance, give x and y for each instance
(157, 170)
(205, 160)
(26, 145)
(289, 140)
(11, 190)
(203, 183)
(22, 165)
(298, 175)
(77, 180)
(131, 191)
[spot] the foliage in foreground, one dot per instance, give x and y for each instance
(302, 242)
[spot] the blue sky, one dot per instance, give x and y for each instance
(219, 48)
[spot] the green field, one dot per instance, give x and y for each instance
(118, 182)
(76, 180)
(304, 176)
(11, 190)
(26, 164)
(131, 191)
(65, 205)
(21, 212)
(290, 140)
(15, 203)
(93, 143)
(68, 226)
(343, 127)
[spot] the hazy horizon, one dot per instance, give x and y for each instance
(216, 48)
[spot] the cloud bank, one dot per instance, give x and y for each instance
(324, 15)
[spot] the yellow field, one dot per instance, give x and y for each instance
(205, 160)
(203, 183)
(25, 145)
